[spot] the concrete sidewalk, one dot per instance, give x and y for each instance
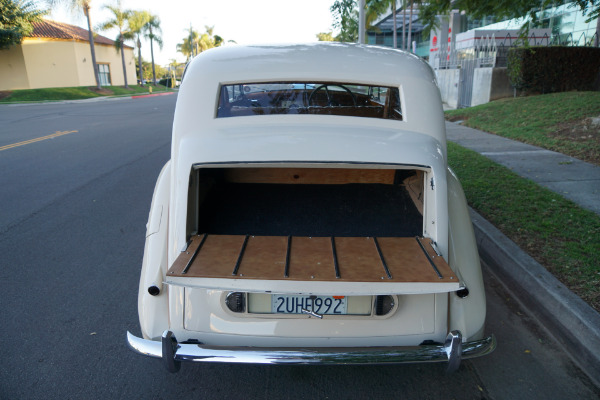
(575, 180)
(570, 320)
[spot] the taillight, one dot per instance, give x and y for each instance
(383, 304)
(236, 302)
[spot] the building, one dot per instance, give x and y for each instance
(469, 55)
(564, 21)
(58, 55)
(382, 32)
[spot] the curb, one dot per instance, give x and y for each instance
(570, 320)
(88, 100)
(152, 95)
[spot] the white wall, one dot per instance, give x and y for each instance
(482, 86)
(448, 82)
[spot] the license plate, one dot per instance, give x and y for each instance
(323, 305)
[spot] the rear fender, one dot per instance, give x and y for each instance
(153, 295)
(466, 314)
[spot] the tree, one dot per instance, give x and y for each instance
(403, 24)
(152, 31)
(119, 20)
(325, 37)
(410, 18)
(137, 20)
(501, 9)
(345, 17)
(85, 6)
(195, 43)
(16, 21)
(188, 44)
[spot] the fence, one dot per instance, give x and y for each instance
(492, 52)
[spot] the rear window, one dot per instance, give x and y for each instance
(328, 98)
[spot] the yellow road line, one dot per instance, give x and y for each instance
(57, 134)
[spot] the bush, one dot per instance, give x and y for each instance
(554, 69)
(166, 82)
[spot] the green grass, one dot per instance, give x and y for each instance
(560, 235)
(75, 93)
(549, 121)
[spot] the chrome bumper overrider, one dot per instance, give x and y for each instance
(172, 352)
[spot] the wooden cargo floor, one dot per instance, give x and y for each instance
(350, 259)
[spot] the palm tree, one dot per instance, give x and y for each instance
(85, 6)
(119, 20)
(189, 43)
(208, 40)
(137, 20)
(152, 31)
(194, 43)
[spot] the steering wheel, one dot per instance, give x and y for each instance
(330, 101)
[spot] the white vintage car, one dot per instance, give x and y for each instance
(308, 216)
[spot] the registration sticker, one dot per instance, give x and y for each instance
(294, 304)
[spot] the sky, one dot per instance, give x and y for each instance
(245, 21)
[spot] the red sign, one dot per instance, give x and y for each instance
(434, 41)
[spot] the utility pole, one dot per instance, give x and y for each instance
(395, 28)
(191, 43)
(403, 24)
(361, 21)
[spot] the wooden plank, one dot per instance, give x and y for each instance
(311, 259)
(182, 260)
(359, 260)
(407, 262)
(439, 261)
(264, 258)
(217, 258)
(309, 175)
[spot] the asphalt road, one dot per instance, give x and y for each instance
(73, 210)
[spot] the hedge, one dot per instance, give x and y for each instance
(554, 68)
(166, 82)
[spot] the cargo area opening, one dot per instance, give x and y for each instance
(312, 225)
(321, 202)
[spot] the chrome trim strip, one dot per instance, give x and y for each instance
(335, 259)
(437, 271)
(189, 264)
(366, 163)
(452, 352)
(240, 256)
(286, 272)
(385, 267)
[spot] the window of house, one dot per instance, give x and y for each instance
(104, 74)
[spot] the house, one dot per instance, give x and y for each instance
(58, 55)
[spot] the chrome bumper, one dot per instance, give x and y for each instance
(172, 352)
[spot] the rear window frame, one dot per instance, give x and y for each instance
(309, 98)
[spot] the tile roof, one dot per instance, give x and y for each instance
(60, 30)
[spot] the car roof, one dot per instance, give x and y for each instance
(321, 61)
